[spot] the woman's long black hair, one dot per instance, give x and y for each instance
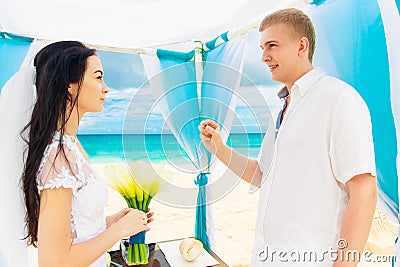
(57, 65)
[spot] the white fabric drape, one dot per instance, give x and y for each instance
(391, 22)
(16, 103)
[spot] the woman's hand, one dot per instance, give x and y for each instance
(110, 220)
(149, 216)
(133, 221)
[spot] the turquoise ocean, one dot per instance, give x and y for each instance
(114, 148)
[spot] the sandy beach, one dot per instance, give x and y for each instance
(235, 216)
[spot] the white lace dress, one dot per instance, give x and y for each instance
(89, 191)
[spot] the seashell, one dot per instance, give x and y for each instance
(190, 249)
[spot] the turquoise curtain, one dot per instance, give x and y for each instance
(13, 50)
(351, 45)
(173, 79)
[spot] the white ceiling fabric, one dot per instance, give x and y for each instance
(131, 24)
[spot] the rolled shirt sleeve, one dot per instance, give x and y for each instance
(351, 142)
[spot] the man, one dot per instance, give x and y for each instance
(319, 194)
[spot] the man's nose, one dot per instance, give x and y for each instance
(265, 57)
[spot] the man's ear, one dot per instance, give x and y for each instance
(303, 46)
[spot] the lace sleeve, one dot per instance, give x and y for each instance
(59, 170)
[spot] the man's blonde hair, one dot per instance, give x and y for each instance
(296, 21)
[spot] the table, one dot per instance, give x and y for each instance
(156, 257)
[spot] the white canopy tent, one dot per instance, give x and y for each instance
(143, 26)
(126, 24)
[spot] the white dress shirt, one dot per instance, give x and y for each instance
(324, 140)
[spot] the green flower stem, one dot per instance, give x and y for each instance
(145, 198)
(148, 202)
(145, 257)
(142, 256)
(136, 253)
(131, 202)
(130, 254)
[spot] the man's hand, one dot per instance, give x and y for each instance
(245, 168)
(210, 135)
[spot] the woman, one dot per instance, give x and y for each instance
(64, 197)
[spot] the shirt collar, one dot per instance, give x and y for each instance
(284, 92)
(304, 83)
(308, 80)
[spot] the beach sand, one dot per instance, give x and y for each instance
(235, 216)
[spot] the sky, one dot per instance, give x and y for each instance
(125, 76)
(148, 24)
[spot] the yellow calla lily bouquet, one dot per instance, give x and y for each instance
(137, 183)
